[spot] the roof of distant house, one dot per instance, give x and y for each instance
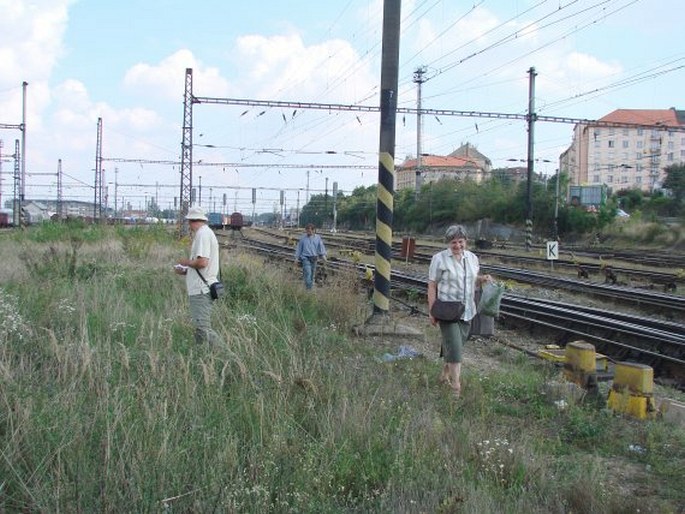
(440, 161)
(645, 116)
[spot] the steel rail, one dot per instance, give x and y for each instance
(659, 343)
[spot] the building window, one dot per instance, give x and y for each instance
(670, 157)
(670, 145)
(595, 178)
(682, 153)
(640, 131)
(626, 132)
(611, 143)
(624, 180)
(638, 155)
(640, 144)
(626, 143)
(596, 143)
(610, 179)
(638, 180)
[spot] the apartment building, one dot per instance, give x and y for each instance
(625, 157)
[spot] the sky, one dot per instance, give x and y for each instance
(125, 62)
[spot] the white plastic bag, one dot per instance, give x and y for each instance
(490, 299)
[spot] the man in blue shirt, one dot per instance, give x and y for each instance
(309, 248)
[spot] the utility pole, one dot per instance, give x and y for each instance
(18, 216)
(531, 157)
(60, 204)
(186, 193)
(1, 145)
(307, 199)
(297, 209)
(556, 207)
(419, 80)
(386, 155)
(22, 189)
(325, 200)
(254, 202)
(116, 191)
(335, 207)
(97, 200)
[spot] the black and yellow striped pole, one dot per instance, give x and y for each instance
(386, 159)
(531, 158)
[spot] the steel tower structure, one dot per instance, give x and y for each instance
(186, 152)
(97, 202)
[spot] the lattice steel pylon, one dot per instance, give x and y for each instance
(186, 154)
(60, 198)
(17, 208)
(97, 202)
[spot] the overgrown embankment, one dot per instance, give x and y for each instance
(106, 404)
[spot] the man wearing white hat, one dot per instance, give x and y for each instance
(204, 259)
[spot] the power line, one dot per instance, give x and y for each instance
(244, 164)
(435, 112)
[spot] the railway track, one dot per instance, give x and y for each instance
(573, 266)
(646, 339)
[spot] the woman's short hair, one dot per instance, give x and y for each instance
(455, 232)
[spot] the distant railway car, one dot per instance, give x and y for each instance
(215, 220)
(5, 219)
(236, 221)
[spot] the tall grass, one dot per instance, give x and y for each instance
(107, 404)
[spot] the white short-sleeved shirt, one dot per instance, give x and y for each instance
(451, 276)
(204, 245)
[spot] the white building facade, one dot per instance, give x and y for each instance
(626, 157)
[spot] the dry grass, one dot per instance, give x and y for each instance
(108, 405)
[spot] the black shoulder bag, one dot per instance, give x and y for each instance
(449, 311)
(216, 290)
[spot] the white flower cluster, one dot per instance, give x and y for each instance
(495, 458)
(11, 323)
(65, 307)
(247, 319)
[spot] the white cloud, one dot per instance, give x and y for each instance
(168, 77)
(32, 34)
(590, 67)
(284, 67)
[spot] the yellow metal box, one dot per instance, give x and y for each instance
(637, 378)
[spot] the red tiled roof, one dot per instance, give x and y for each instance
(643, 116)
(439, 161)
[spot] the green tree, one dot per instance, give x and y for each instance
(358, 211)
(630, 199)
(675, 182)
(319, 210)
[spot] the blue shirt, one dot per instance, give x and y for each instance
(310, 246)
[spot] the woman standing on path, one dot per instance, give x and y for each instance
(453, 276)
